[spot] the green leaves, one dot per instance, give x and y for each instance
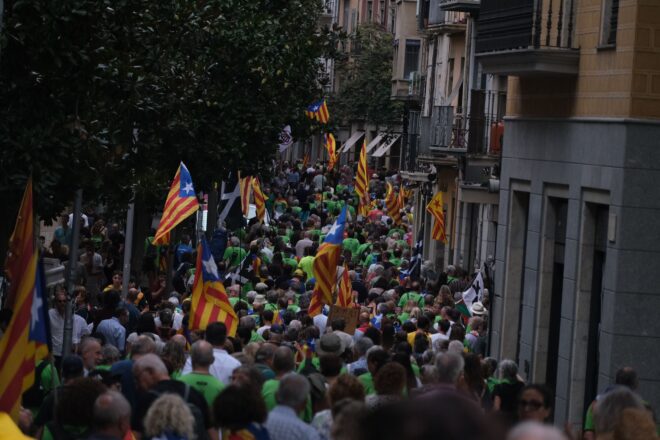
(111, 95)
(366, 79)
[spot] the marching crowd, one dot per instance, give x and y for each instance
(412, 365)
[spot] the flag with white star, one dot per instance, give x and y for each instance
(209, 299)
(180, 204)
(39, 321)
(325, 265)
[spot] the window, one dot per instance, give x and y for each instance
(382, 12)
(395, 58)
(411, 63)
(370, 11)
(609, 22)
(450, 77)
(393, 20)
(344, 17)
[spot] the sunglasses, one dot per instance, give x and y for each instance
(531, 404)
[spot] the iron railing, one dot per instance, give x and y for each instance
(516, 24)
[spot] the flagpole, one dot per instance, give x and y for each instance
(73, 259)
(128, 248)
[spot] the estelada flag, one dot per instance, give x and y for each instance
(246, 189)
(26, 339)
(435, 207)
(345, 291)
(362, 182)
(331, 146)
(181, 202)
(318, 111)
(259, 199)
(209, 299)
(392, 205)
(21, 245)
(325, 265)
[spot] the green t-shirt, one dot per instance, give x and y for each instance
(351, 244)
(360, 250)
(206, 384)
(368, 383)
(306, 264)
(268, 391)
(395, 261)
(235, 255)
(394, 230)
(411, 296)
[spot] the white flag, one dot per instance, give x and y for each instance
(285, 138)
(474, 292)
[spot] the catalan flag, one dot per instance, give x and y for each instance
(20, 247)
(209, 299)
(246, 190)
(259, 199)
(362, 182)
(26, 339)
(325, 265)
(331, 146)
(345, 292)
(305, 162)
(402, 197)
(318, 111)
(180, 204)
(392, 204)
(435, 207)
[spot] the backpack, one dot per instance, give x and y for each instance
(33, 397)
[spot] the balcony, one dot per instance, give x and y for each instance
(527, 37)
(471, 6)
(327, 13)
(411, 89)
(448, 22)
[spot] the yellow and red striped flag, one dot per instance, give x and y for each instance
(246, 190)
(259, 199)
(325, 265)
(209, 299)
(305, 162)
(180, 204)
(362, 182)
(392, 204)
(27, 337)
(402, 197)
(345, 292)
(318, 111)
(331, 146)
(21, 246)
(435, 207)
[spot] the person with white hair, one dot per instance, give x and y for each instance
(535, 431)
(152, 378)
(283, 422)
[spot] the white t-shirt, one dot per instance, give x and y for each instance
(57, 330)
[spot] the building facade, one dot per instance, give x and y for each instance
(577, 232)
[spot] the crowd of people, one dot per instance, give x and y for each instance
(413, 366)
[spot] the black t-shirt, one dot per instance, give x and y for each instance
(508, 394)
(145, 399)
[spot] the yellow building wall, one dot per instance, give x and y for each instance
(621, 81)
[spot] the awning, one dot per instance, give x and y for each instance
(374, 142)
(351, 141)
(386, 146)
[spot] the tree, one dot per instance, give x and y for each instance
(109, 95)
(365, 78)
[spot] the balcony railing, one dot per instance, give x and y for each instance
(519, 37)
(460, 5)
(445, 20)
